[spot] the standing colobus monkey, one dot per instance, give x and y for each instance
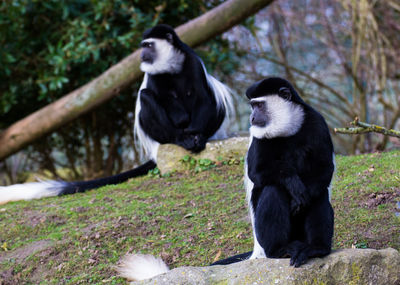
(288, 171)
(178, 102)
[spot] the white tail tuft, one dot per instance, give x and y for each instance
(29, 191)
(136, 267)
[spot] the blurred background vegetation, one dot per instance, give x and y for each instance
(342, 56)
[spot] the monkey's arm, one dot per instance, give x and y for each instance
(154, 119)
(205, 117)
(205, 121)
(304, 190)
(179, 117)
(301, 197)
(163, 128)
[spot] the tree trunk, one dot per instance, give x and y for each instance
(109, 84)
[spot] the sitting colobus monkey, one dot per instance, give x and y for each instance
(288, 171)
(178, 102)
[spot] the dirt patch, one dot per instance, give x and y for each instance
(36, 218)
(26, 251)
(376, 199)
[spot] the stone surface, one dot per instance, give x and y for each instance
(169, 156)
(349, 266)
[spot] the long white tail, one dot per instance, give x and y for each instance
(136, 267)
(29, 191)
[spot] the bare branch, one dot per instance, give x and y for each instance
(362, 128)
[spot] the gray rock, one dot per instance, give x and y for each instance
(169, 156)
(349, 266)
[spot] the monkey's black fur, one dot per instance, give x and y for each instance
(291, 175)
(179, 108)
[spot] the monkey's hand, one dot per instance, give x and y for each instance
(295, 207)
(193, 142)
(300, 196)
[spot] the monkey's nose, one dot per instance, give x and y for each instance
(146, 57)
(252, 119)
(257, 121)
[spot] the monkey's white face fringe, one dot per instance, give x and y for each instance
(284, 118)
(136, 267)
(29, 191)
(168, 60)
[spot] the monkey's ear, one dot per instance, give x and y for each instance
(169, 37)
(285, 93)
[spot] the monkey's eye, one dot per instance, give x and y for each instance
(284, 92)
(257, 104)
(169, 37)
(147, 44)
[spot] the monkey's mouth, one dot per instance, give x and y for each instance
(259, 124)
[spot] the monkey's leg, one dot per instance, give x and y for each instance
(272, 221)
(205, 120)
(318, 229)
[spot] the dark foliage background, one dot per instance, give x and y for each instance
(49, 48)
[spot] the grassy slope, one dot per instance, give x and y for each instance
(188, 219)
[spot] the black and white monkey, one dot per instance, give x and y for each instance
(288, 172)
(178, 102)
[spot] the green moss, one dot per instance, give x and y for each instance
(356, 271)
(315, 282)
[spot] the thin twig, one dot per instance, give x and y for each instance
(362, 127)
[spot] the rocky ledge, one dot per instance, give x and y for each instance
(169, 156)
(348, 266)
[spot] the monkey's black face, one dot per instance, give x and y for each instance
(148, 54)
(259, 116)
